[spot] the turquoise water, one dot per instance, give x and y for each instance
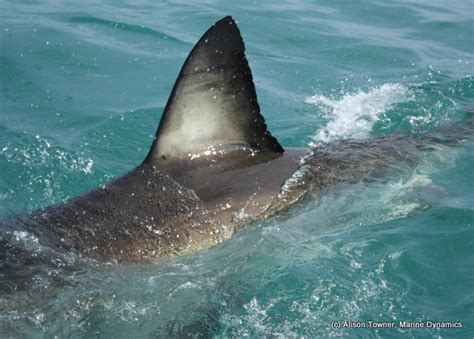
(83, 86)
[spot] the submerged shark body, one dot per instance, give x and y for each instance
(213, 167)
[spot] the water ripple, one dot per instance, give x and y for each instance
(141, 29)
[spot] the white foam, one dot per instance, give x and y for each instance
(354, 115)
(42, 153)
(24, 236)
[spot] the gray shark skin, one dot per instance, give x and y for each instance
(213, 167)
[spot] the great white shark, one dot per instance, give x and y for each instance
(212, 168)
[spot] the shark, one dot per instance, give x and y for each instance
(212, 168)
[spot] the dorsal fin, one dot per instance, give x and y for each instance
(213, 102)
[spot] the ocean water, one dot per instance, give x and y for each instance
(83, 85)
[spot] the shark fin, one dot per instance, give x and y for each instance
(213, 103)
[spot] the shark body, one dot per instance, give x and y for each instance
(212, 168)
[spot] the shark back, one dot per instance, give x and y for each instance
(210, 168)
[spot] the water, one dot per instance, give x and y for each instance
(82, 89)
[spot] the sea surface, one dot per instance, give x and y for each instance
(82, 88)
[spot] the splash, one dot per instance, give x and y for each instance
(354, 115)
(40, 153)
